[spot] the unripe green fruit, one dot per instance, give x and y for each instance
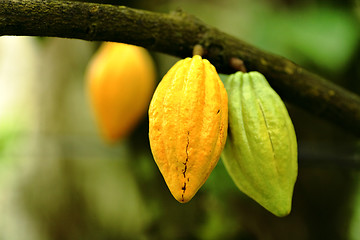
(261, 149)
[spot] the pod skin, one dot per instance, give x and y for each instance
(188, 118)
(120, 82)
(261, 150)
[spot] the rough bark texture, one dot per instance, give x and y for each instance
(176, 34)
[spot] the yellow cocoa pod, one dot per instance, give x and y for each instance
(261, 150)
(120, 82)
(188, 118)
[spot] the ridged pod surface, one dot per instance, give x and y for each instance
(120, 82)
(188, 119)
(261, 150)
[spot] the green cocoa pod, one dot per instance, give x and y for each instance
(261, 149)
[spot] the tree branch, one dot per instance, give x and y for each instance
(176, 34)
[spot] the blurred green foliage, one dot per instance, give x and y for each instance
(320, 36)
(59, 180)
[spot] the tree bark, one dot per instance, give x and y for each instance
(176, 34)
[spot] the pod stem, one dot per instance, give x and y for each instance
(198, 50)
(237, 64)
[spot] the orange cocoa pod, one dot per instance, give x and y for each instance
(121, 80)
(188, 119)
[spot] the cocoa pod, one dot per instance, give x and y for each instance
(261, 150)
(188, 119)
(120, 82)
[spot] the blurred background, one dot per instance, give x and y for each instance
(60, 180)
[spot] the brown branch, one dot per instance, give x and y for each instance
(176, 34)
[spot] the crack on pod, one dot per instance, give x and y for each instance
(267, 127)
(184, 170)
(187, 155)
(184, 187)
(185, 166)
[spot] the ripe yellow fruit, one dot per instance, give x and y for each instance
(121, 80)
(188, 119)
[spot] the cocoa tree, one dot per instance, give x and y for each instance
(318, 209)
